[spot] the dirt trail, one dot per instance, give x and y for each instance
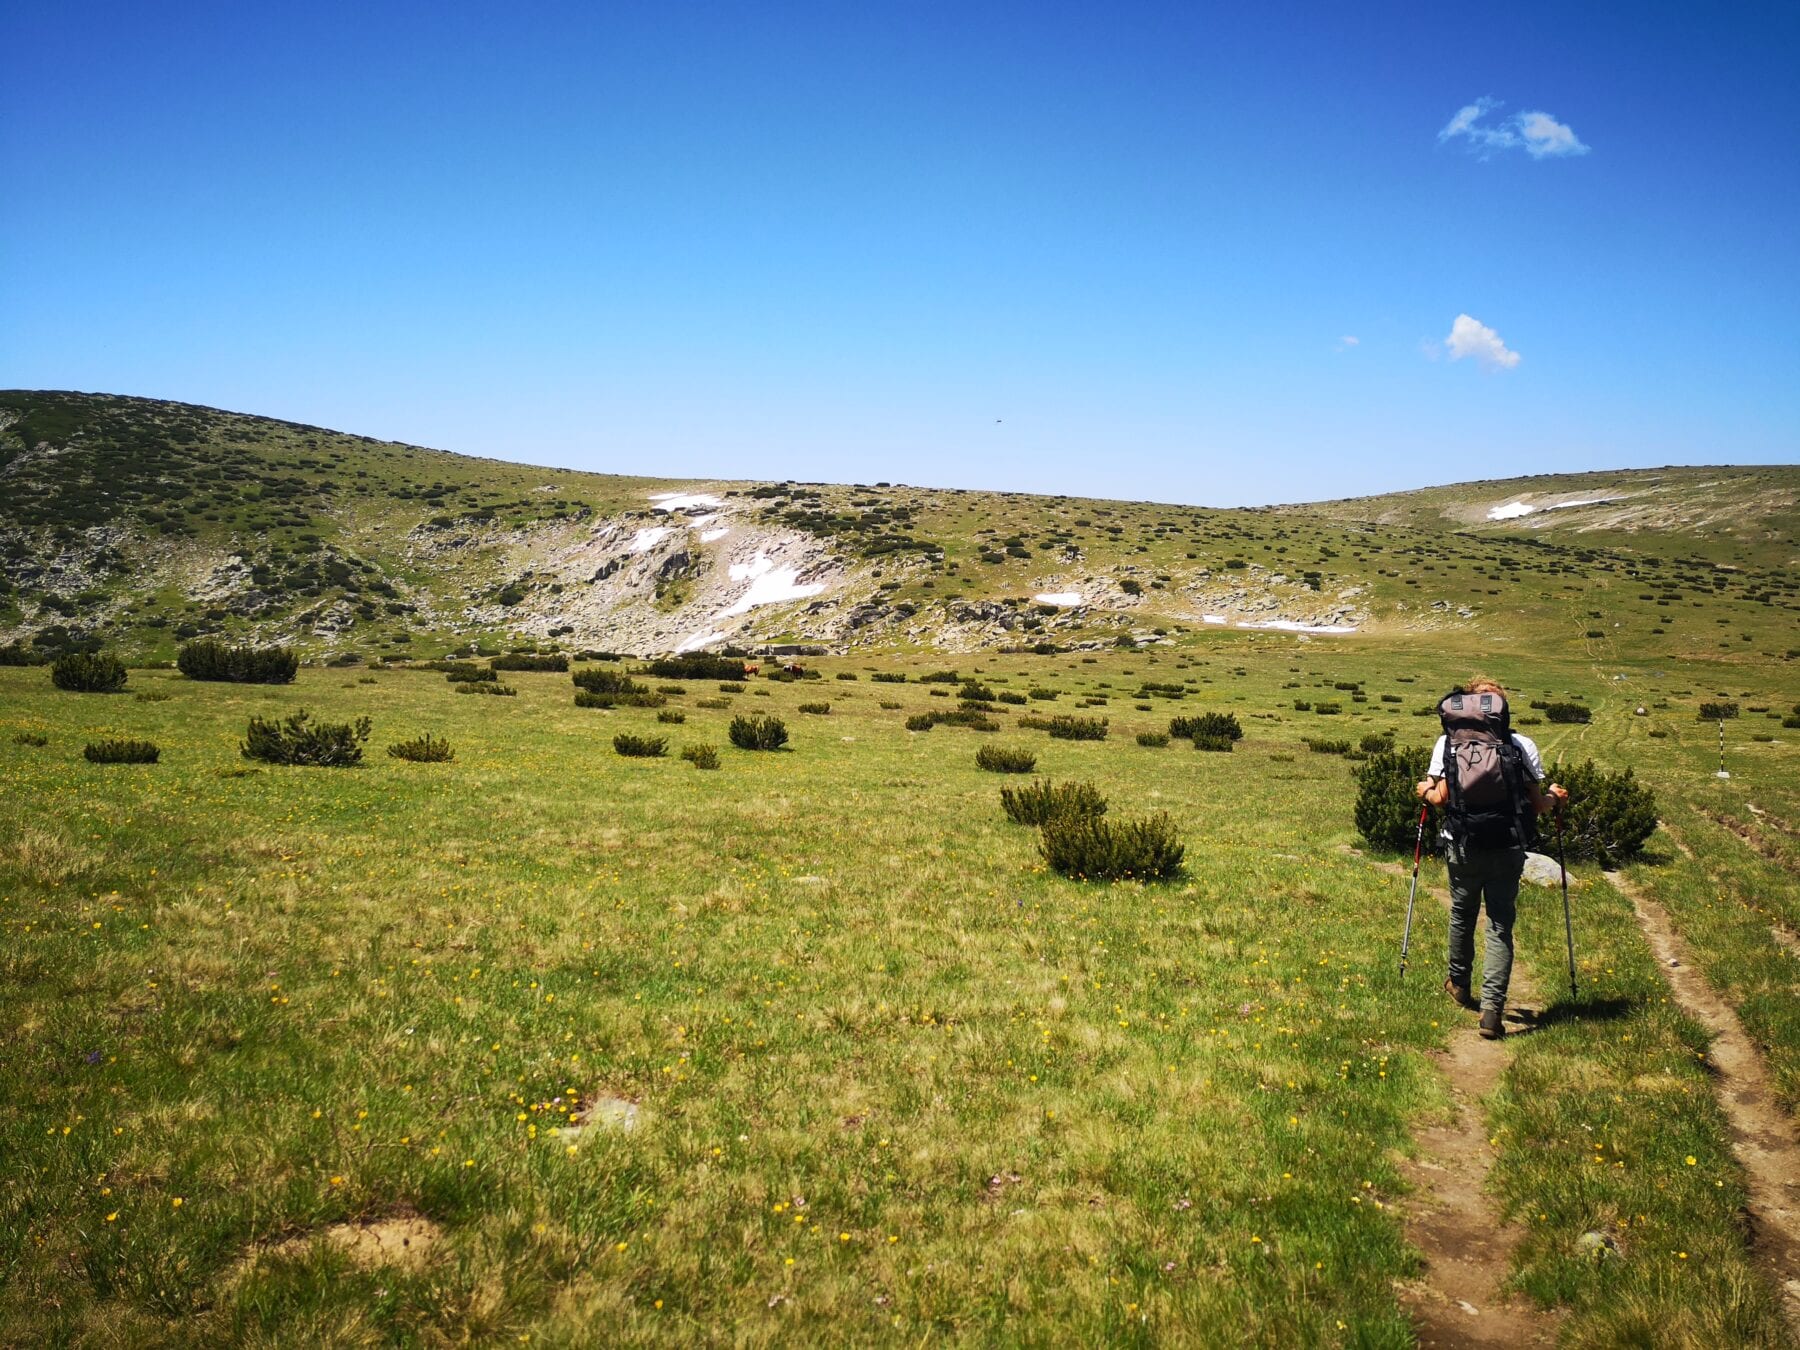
(1765, 1138)
(1450, 1217)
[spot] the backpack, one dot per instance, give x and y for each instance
(1489, 806)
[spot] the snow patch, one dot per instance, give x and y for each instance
(699, 640)
(682, 501)
(649, 537)
(1290, 626)
(708, 536)
(769, 585)
(1212, 618)
(1513, 510)
(1060, 598)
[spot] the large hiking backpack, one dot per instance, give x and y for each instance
(1489, 804)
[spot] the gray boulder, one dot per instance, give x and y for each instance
(1542, 871)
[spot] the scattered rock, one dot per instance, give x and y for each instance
(1542, 871)
(1599, 1244)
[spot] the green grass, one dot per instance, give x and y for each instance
(1015, 1107)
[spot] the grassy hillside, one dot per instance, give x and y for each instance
(144, 523)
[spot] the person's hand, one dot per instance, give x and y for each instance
(1558, 793)
(1421, 787)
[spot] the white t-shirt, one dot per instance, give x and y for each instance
(1534, 763)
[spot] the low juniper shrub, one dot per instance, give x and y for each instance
(1065, 727)
(713, 703)
(1042, 695)
(817, 709)
(697, 666)
(640, 747)
(488, 687)
(671, 717)
(31, 738)
(673, 690)
(846, 675)
(1091, 848)
(551, 662)
(1041, 800)
(1376, 741)
(1005, 759)
(1328, 709)
(888, 677)
(1319, 745)
(1154, 739)
(1609, 815)
(210, 659)
(88, 673)
(1207, 724)
(1568, 712)
(643, 698)
(1213, 743)
(607, 682)
(152, 696)
(1717, 712)
(1302, 705)
(887, 706)
(758, 733)
(121, 752)
(701, 756)
(732, 687)
(300, 740)
(1387, 811)
(426, 749)
(468, 674)
(1007, 696)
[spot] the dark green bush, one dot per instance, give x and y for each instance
(671, 717)
(816, 709)
(713, 703)
(121, 752)
(16, 654)
(888, 677)
(468, 674)
(607, 682)
(151, 696)
(1301, 705)
(1568, 713)
(1043, 695)
(1321, 746)
(1207, 724)
(488, 687)
(732, 687)
(210, 659)
(973, 691)
(300, 740)
(1041, 800)
(1065, 727)
(1387, 811)
(553, 661)
(31, 738)
(1213, 743)
(1154, 739)
(701, 756)
(643, 698)
(1327, 709)
(1608, 817)
(1717, 712)
(921, 722)
(1008, 697)
(1091, 848)
(758, 733)
(673, 690)
(941, 677)
(1376, 742)
(88, 673)
(846, 675)
(1005, 759)
(971, 718)
(640, 747)
(426, 749)
(697, 666)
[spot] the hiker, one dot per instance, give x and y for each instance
(1488, 777)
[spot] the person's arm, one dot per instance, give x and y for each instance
(1432, 791)
(1545, 800)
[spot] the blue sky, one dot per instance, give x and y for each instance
(1107, 249)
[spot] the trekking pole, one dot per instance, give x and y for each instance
(1568, 923)
(1418, 852)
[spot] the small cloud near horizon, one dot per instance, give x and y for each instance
(1469, 337)
(1346, 342)
(1537, 133)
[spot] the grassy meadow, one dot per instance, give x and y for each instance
(888, 1079)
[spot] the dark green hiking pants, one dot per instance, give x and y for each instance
(1480, 877)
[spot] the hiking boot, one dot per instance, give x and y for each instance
(1459, 995)
(1492, 1027)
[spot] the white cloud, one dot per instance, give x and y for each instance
(1544, 135)
(1346, 342)
(1470, 337)
(1538, 134)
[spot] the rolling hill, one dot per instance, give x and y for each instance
(143, 523)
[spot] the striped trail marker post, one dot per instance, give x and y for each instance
(1723, 771)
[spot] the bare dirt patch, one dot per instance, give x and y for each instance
(404, 1240)
(1764, 1137)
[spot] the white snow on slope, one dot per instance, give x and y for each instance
(708, 536)
(1290, 626)
(1059, 598)
(682, 501)
(1513, 510)
(697, 641)
(769, 585)
(1212, 618)
(648, 538)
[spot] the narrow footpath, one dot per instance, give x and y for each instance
(1450, 1217)
(1764, 1136)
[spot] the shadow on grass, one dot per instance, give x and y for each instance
(1586, 1010)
